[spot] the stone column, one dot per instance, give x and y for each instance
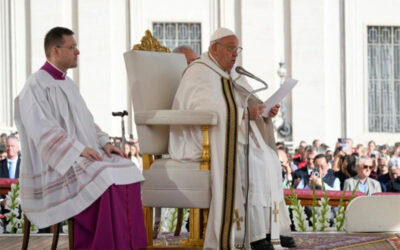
(5, 66)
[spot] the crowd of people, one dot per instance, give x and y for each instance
(372, 168)
(375, 168)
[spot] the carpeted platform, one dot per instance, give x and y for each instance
(318, 240)
(365, 241)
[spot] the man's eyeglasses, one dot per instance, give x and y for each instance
(232, 50)
(368, 166)
(72, 48)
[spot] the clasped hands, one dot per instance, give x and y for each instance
(93, 155)
(255, 112)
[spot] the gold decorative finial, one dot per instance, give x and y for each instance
(150, 43)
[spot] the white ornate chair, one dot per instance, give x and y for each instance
(153, 79)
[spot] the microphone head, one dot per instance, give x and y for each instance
(240, 70)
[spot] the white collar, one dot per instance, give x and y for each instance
(13, 161)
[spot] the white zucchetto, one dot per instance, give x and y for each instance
(220, 33)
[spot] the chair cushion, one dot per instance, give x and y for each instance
(170, 183)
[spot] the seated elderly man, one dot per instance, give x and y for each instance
(365, 184)
(247, 207)
(393, 185)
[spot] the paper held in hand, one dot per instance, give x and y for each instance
(278, 96)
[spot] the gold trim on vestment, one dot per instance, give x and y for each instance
(228, 203)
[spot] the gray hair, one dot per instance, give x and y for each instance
(394, 163)
(311, 149)
(14, 137)
(362, 159)
(384, 156)
(181, 48)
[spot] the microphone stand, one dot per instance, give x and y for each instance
(123, 140)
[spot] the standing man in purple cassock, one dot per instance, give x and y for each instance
(69, 167)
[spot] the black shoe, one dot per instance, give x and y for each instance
(263, 244)
(286, 241)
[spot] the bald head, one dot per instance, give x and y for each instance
(187, 51)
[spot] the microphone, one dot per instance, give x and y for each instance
(241, 71)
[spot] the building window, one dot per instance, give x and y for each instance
(174, 34)
(384, 79)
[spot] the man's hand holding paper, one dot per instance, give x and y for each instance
(278, 96)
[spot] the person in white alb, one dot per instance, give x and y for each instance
(69, 167)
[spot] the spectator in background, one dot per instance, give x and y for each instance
(117, 142)
(349, 148)
(325, 174)
(393, 170)
(135, 156)
(351, 168)
(366, 184)
(286, 168)
(9, 167)
(346, 162)
(384, 149)
(338, 157)
(374, 172)
(127, 150)
(329, 157)
(301, 176)
(189, 53)
(396, 152)
(323, 148)
(383, 161)
(360, 150)
(3, 152)
(316, 143)
(298, 158)
(3, 138)
(393, 185)
(136, 142)
(394, 149)
(371, 148)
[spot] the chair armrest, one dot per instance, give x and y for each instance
(176, 117)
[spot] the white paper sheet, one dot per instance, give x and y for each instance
(278, 96)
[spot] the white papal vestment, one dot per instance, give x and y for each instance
(205, 86)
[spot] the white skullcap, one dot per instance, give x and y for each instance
(220, 33)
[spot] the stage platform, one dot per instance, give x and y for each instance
(380, 241)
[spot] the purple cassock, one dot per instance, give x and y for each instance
(115, 219)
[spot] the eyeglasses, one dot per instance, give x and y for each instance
(232, 50)
(72, 47)
(368, 166)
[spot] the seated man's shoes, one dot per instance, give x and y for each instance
(263, 244)
(286, 241)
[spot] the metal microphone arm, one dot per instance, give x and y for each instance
(241, 71)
